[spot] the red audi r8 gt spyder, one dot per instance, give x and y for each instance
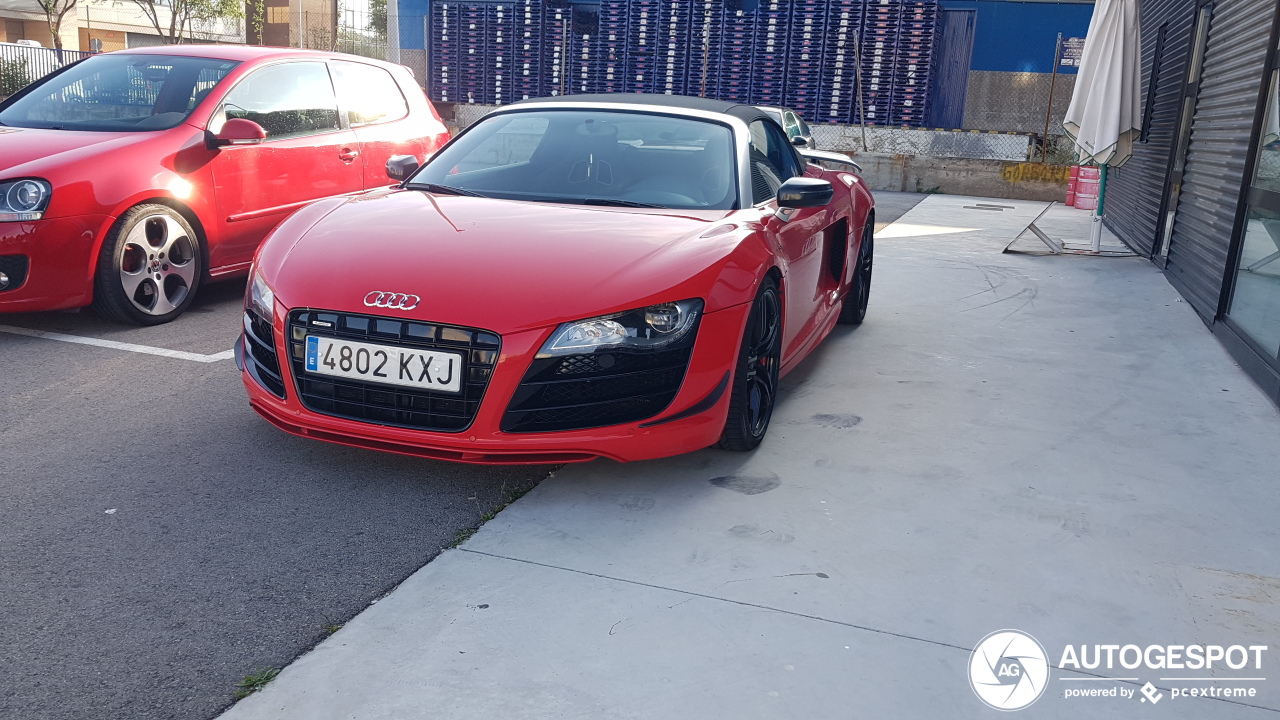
(620, 276)
(128, 178)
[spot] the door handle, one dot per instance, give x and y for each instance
(347, 155)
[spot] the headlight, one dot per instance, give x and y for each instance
(260, 298)
(651, 328)
(23, 200)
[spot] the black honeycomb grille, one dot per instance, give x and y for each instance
(261, 359)
(15, 268)
(399, 406)
(577, 392)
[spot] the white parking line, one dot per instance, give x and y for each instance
(130, 347)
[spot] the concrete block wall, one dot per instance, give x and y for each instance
(964, 176)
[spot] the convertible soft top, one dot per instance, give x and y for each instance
(746, 113)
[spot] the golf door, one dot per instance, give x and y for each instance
(308, 154)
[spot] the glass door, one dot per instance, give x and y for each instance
(1255, 298)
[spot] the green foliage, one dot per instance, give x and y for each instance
(185, 15)
(13, 76)
(378, 19)
(255, 682)
(259, 19)
(506, 497)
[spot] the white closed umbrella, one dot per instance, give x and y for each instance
(1105, 114)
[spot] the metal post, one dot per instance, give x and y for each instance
(1095, 231)
(706, 47)
(857, 71)
(1048, 113)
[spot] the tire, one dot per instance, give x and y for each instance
(853, 309)
(755, 376)
(149, 268)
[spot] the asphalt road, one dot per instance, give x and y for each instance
(159, 542)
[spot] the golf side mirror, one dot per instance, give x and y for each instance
(239, 131)
(800, 141)
(400, 167)
(805, 192)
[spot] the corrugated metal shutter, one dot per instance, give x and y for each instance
(1134, 190)
(1234, 64)
(137, 40)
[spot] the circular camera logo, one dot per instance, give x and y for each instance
(1008, 670)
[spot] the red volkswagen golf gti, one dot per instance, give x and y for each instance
(129, 178)
(622, 276)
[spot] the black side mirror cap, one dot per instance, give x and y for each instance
(400, 167)
(805, 192)
(800, 141)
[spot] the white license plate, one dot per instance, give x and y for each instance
(421, 369)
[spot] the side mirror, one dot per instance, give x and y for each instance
(400, 167)
(238, 131)
(800, 141)
(805, 192)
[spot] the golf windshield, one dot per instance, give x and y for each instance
(590, 157)
(118, 93)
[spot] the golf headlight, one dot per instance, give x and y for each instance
(23, 200)
(651, 328)
(260, 298)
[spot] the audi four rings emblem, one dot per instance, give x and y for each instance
(392, 301)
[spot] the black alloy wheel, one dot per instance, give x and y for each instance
(755, 379)
(854, 309)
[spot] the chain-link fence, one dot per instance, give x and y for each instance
(1011, 147)
(364, 33)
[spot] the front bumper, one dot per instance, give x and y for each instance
(693, 420)
(59, 260)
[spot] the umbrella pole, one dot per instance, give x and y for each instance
(1095, 231)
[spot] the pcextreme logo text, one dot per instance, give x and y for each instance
(1009, 670)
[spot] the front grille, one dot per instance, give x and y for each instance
(577, 392)
(392, 404)
(14, 266)
(260, 357)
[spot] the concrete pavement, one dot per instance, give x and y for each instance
(1052, 444)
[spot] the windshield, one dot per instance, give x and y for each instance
(118, 92)
(602, 157)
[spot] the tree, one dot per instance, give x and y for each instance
(378, 18)
(184, 15)
(13, 76)
(54, 12)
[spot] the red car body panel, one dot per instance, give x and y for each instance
(621, 258)
(519, 269)
(233, 195)
(485, 443)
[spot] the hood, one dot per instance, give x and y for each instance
(31, 151)
(500, 265)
